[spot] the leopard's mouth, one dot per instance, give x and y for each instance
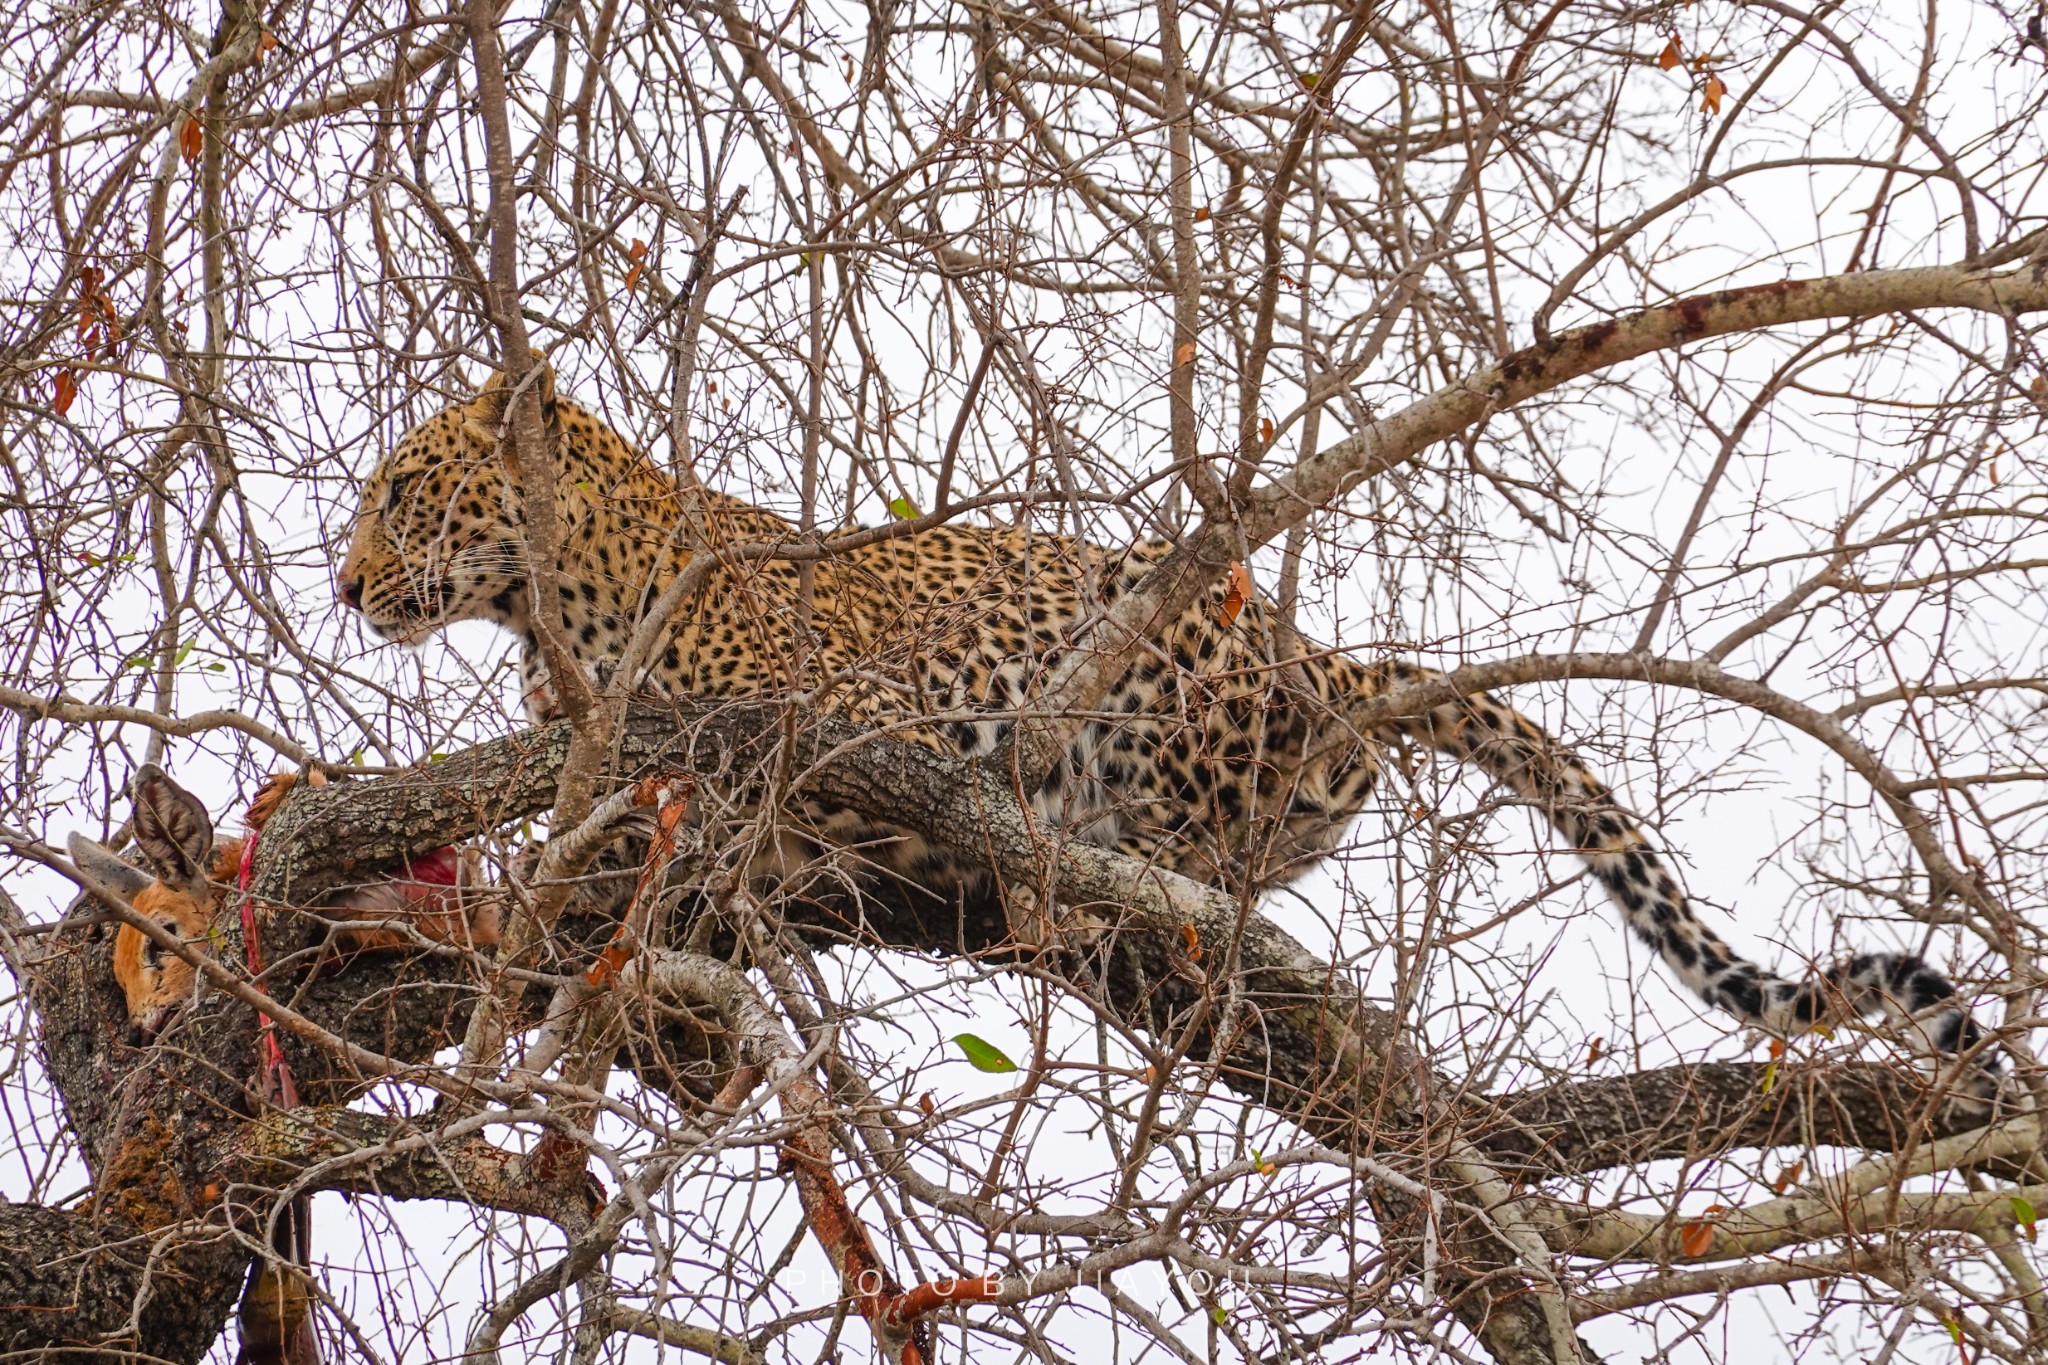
(414, 615)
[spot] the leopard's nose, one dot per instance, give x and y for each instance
(350, 591)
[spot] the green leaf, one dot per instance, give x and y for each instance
(903, 509)
(1217, 1316)
(216, 667)
(436, 756)
(1770, 1078)
(184, 653)
(982, 1054)
(1955, 1329)
(2023, 1213)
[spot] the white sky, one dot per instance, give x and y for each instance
(1748, 809)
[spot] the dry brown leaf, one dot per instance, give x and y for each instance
(191, 138)
(1184, 354)
(1710, 95)
(1696, 1239)
(67, 390)
(1789, 1177)
(637, 254)
(1239, 594)
(1670, 56)
(1593, 1052)
(1266, 430)
(1202, 214)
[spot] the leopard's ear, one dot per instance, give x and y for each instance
(484, 418)
(172, 828)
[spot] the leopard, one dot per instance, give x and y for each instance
(1224, 753)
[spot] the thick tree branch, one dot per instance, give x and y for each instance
(1322, 1045)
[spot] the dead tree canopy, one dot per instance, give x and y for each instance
(1671, 375)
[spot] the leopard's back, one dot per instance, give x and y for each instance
(1198, 759)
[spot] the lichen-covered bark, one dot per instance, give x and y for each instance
(140, 1268)
(70, 1280)
(173, 1139)
(145, 1268)
(1575, 1127)
(1132, 952)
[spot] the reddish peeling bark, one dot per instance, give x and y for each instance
(896, 1315)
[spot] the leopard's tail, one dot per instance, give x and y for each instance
(1514, 751)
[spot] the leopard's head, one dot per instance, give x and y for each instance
(437, 536)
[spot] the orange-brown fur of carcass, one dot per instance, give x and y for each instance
(155, 981)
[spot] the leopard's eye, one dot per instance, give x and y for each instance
(400, 490)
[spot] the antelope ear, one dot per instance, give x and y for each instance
(107, 865)
(485, 415)
(172, 828)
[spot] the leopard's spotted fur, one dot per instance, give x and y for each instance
(1207, 757)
